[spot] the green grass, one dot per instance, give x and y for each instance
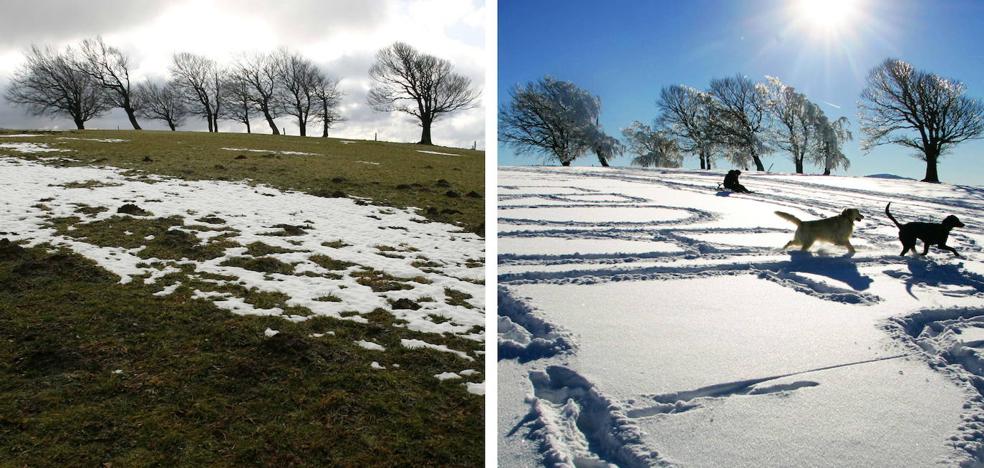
(404, 178)
(94, 373)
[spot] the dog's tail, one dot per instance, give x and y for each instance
(789, 217)
(889, 213)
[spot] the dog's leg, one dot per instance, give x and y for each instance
(951, 249)
(925, 247)
(806, 245)
(850, 248)
(789, 244)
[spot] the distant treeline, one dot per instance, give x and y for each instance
(741, 121)
(87, 80)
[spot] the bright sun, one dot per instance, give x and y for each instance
(827, 17)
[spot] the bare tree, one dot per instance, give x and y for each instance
(550, 117)
(686, 115)
(327, 99)
(652, 147)
(740, 117)
(920, 110)
(418, 84)
(298, 78)
(51, 83)
(237, 99)
(797, 120)
(198, 79)
(161, 102)
(111, 68)
(830, 141)
(259, 71)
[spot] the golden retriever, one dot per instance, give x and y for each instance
(836, 230)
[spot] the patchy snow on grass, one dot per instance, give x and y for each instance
(288, 153)
(415, 344)
(316, 253)
(370, 345)
(437, 152)
(100, 140)
(371, 163)
(648, 319)
(376, 366)
(20, 135)
(32, 148)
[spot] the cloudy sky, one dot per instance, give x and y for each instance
(341, 36)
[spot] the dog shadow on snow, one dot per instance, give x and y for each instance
(951, 278)
(842, 269)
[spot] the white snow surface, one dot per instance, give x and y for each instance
(250, 213)
(437, 152)
(253, 150)
(32, 148)
(712, 346)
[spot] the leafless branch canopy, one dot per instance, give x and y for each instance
(198, 79)
(418, 84)
(111, 68)
(740, 116)
(161, 101)
(916, 109)
(52, 83)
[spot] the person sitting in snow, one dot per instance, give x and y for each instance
(731, 182)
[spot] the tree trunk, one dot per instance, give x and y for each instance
(758, 163)
(603, 161)
(133, 118)
(799, 165)
(80, 124)
(931, 174)
(215, 122)
(425, 132)
(303, 126)
(565, 163)
(826, 171)
(247, 127)
(269, 119)
(170, 123)
(324, 128)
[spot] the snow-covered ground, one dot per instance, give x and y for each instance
(645, 318)
(327, 243)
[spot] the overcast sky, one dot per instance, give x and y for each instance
(341, 36)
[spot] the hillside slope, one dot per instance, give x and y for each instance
(648, 319)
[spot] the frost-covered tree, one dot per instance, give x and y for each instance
(797, 121)
(52, 83)
(419, 84)
(651, 147)
(686, 115)
(110, 67)
(555, 118)
(161, 101)
(920, 110)
(740, 117)
(828, 152)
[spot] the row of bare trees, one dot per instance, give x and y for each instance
(86, 81)
(742, 121)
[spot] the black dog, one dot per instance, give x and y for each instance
(929, 233)
(731, 182)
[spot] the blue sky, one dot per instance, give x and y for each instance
(625, 51)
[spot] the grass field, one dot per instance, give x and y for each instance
(95, 372)
(445, 188)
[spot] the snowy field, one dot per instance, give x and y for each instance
(647, 319)
(335, 257)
